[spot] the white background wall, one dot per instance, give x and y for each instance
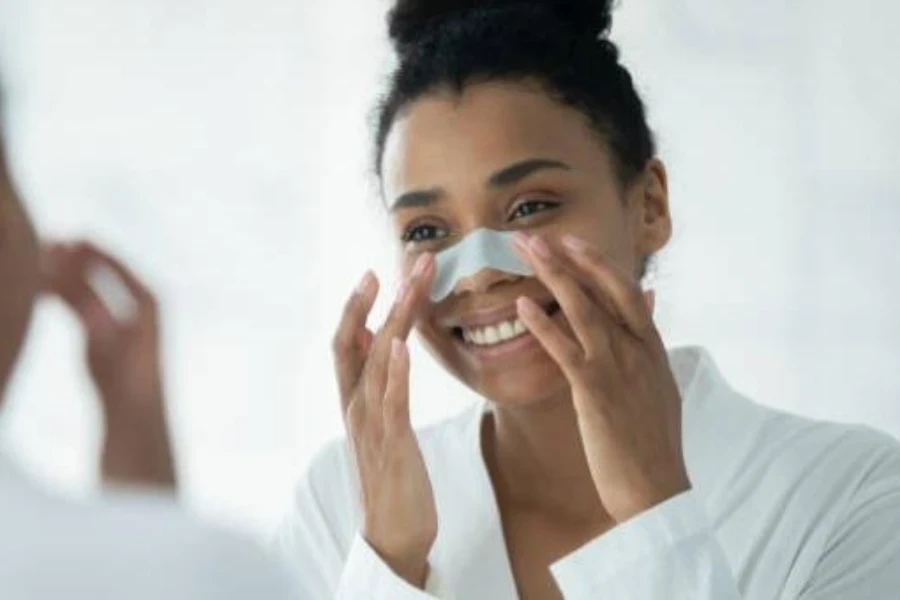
(220, 146)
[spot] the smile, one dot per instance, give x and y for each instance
(494, 334)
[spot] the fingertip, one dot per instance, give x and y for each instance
(526, 307)
(423, 264)
(365, 285)
(430, 267)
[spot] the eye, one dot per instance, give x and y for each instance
(531, 207)
(423, 233)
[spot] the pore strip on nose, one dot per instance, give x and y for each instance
(481, 249)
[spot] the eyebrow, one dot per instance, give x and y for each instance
(505, 177)
(519, 171)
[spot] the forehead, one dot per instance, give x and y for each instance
(447, 137)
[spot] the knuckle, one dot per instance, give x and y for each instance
(583, 312)
(354, 419)
(339, 343)
(350, 308)
(593, 378)
(596, 356)
(573, 356)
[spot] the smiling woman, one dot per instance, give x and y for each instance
(600, 462)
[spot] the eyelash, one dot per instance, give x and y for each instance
(411, 233)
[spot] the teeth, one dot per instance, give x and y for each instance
(494, 334)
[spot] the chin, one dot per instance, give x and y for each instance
(527, 377)
(525, 389)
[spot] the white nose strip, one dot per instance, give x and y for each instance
(482, 249)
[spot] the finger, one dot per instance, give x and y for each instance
(137, 287)
(347, 353)
(395, 407)
(567, 353)
(51, 256)
(624, 293)
(69, 282)
(650, 300)
(411, 297)
(139, 291)
(57, 261)
(580, 310)
(364, 341)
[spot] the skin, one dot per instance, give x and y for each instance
(122, 357)
(19, 272)
(585, 431)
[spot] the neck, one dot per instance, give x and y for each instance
(538, 460)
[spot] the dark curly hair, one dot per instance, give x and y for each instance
(560, 44)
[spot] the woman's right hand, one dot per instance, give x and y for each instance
(373, 377)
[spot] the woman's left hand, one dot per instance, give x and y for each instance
(625, 395)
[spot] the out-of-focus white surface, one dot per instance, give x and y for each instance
(221, 148)
(137, 546)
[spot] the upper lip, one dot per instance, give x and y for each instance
(489, 316)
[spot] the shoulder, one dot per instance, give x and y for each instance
(790, 458)
(840, 452)
(730, 439)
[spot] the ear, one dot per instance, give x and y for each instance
(649, 200)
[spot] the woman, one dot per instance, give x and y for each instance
(600, 465)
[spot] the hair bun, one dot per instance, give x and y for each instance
(409, 19)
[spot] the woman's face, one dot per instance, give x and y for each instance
(505, 156)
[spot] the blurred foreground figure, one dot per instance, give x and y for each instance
(136, 543)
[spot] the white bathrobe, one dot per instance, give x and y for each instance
(782, 507)
(131, 545)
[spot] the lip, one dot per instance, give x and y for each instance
(506, 353)
(490, 316)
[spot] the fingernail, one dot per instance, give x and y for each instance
(575, 244)
(365, 283)
(396, 348)
(521, 238)
(421, 265)
(540, 248)
(526, 306)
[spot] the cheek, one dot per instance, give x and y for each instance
(603, 224)
(439, 340)
(438, 343)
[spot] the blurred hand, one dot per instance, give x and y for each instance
(123, 358)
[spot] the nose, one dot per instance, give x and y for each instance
(483, 280)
